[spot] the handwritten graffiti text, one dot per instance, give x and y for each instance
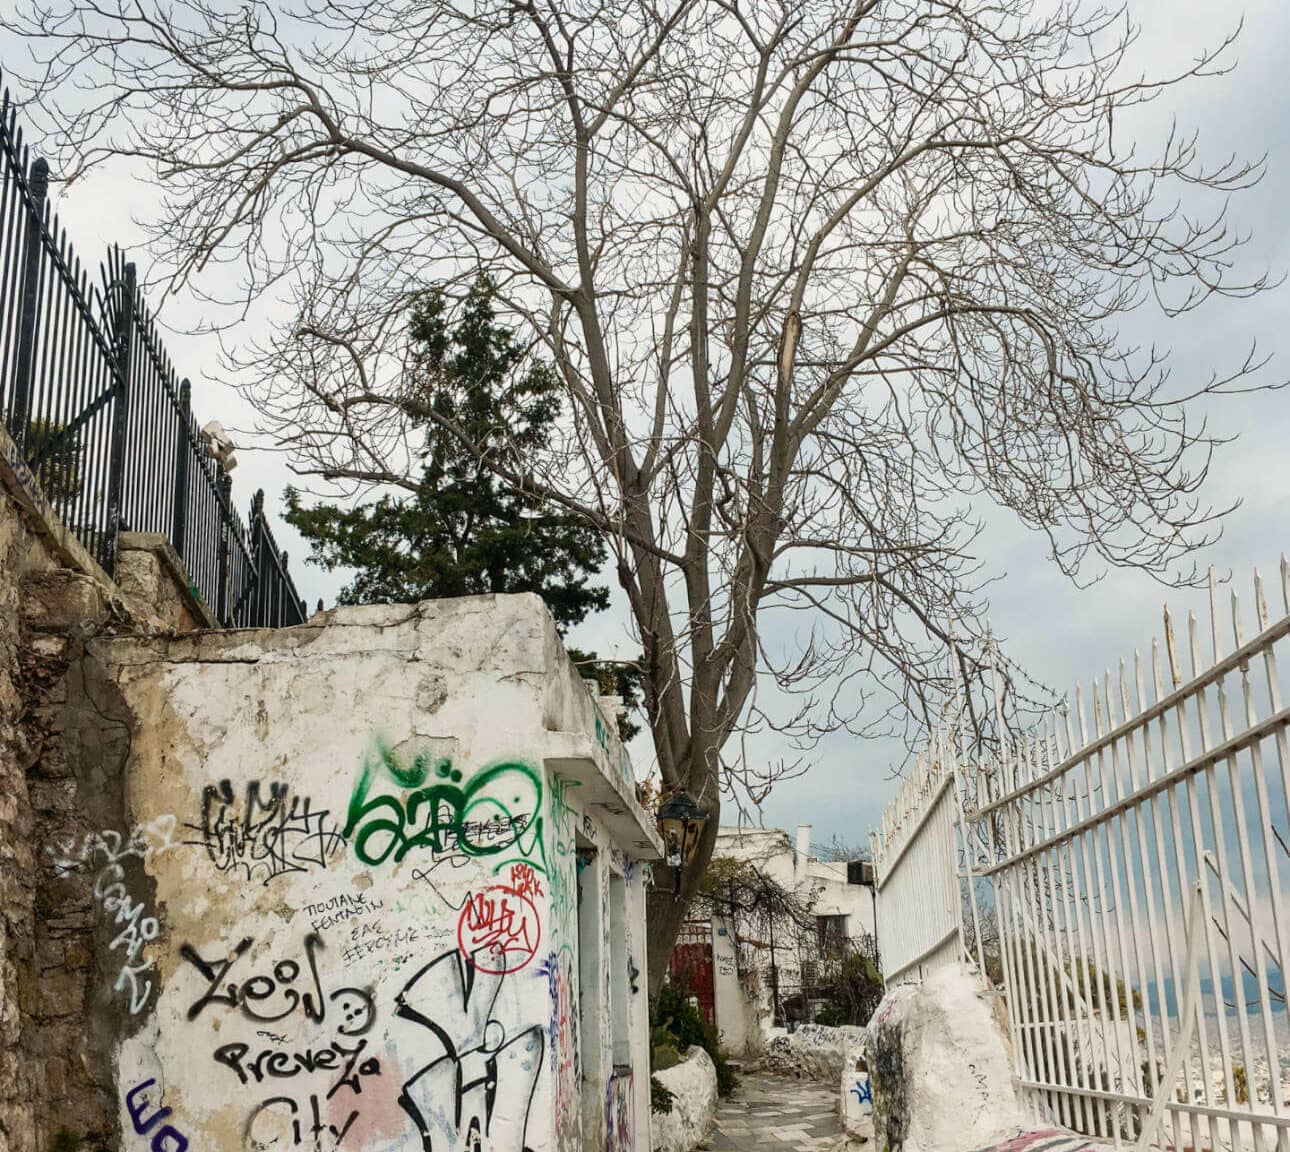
(265, 836)
(109, 851)
(440, 812)
(270, 998)
(167, 1138)
(498, 930)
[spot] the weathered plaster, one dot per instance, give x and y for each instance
(693, 1084)
(356, 883)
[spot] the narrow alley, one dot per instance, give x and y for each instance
(777, 1113)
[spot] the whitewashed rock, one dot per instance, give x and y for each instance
(693, 1084)
(813, 1052)
(938, 1061)
(857, 1097)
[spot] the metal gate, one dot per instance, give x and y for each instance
(691, 967)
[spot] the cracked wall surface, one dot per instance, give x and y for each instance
(371, 883)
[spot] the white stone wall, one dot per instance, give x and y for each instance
(812, 1051)
(742, 1022)
(350, 912)
(693, 1084)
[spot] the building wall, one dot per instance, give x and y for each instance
(780, 858)
(742, 1017)
(341, 886)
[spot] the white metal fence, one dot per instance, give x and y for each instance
(1135, 850)
(915, 856)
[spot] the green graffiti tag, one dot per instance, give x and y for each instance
(499, 809)
(561, 876)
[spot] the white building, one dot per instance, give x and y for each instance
(767, 949)
(393, 872)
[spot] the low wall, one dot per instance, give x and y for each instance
(693, 1084)
(812, 1052)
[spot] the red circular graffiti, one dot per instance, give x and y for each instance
(498, 930)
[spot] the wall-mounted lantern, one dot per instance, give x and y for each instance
(680, 823)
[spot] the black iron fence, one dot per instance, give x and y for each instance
(101, 417)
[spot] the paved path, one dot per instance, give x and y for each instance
(778, 1115)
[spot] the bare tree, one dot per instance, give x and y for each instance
(816, 275)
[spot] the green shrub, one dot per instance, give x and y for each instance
(58, 470)
(665, 1056)
(831, 1015)
(660, 1096)
(1081, 968)
(851, 991)
(676, 1023)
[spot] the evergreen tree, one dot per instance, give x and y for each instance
(463, 532)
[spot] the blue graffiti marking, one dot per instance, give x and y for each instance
(863, 1092)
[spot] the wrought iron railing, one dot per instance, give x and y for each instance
(103, 421)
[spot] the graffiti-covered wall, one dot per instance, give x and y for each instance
(380, 885)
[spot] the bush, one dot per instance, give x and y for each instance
(677, 1023)
(1081, 969)
(831, 1015)
(851, 993)
(665, 1056)
(1241, 1084)
(59, 470)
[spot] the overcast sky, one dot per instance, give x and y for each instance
(1058, 632)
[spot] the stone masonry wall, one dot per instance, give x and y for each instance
(20, 555)
(47, 613)
(59, 781)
